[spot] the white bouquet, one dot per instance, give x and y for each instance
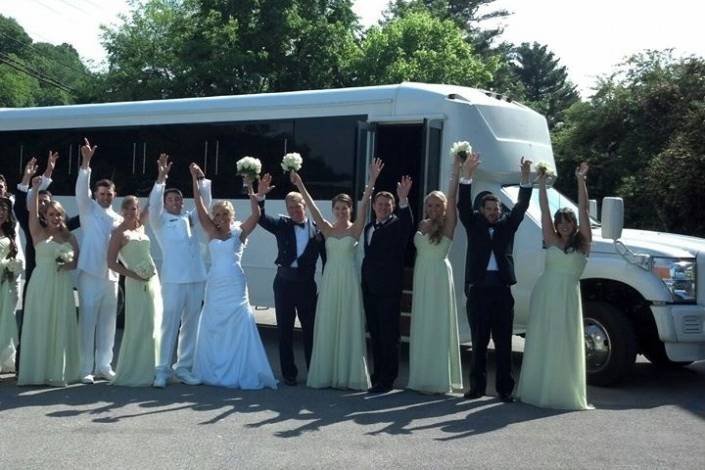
(64, 255)
(14, 266)
(292, 161)
(249, 167)
(146, 269)
(462, 149)
(544, 168)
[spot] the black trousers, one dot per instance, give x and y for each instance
(383, 314)
(292, 298)
(491, 312)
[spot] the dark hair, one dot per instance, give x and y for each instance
(576, 241)
(344, 198)
(168, 191)
(489, 198)
(2, 178)
(42, 192)
(8, 227)
(105, 182)
(384, 194)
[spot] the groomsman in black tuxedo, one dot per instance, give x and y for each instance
(489, 275)
(386, 240)
(300, 244)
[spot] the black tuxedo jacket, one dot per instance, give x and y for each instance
(480, 245)
(383, 264)
(283, 229)
(22, 215)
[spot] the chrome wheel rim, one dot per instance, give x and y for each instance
(598, 345)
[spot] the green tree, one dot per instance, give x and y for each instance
(642, 132)
(420, 47)
(545, 82)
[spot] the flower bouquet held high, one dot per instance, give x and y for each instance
(292, 161)
(544, 168)
(249, 168)
(460, 149)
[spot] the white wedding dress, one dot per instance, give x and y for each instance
(229, 351)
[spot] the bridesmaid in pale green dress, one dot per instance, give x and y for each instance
(338, 359)
(11, 265)
(139, 348)
(50, 354)
(553, 368)
(434, 344)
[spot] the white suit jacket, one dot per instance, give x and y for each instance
(97, 224)
(179, 237)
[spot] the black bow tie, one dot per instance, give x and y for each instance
(302, 224)
(377, 225)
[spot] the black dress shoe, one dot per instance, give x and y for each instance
(473, 394)
(290, 381)
(506, 398)
(379, 388)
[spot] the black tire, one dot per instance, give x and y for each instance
(655, 352)
(610, 344)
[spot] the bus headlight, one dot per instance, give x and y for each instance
(678, 275)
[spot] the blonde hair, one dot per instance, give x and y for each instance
(435, 232)
(127, 200)
(294, 197)
(227, 205)
(56, 205)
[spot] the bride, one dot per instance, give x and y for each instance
(229, 351)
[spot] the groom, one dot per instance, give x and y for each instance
(300, 244)
(489, 275)
(386, 240)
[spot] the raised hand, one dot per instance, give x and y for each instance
(525, 170)
(163, 167)
(29, 170)
(403, 187)
(470, 165)
(582, 170)
(295, 178)
(51, 163)
(375, 169)
(87, 153)
(264, 186)
(195, 171)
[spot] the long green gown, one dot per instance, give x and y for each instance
(8, 307)
(338, 359)
(139, 348)
(50, 349)
(553, 368)
(434, 345)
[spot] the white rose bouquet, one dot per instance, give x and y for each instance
(64, 255)
(292, 161)
(462, 149)
(544, 168)
(146, 269)
(11, 268)
(249, 167)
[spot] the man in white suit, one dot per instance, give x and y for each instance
(182, 273)
(97, 285)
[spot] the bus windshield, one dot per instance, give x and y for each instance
(556, 200)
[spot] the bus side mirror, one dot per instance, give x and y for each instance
(593, 209)
(612, 217)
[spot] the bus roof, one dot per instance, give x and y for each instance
(400, 99)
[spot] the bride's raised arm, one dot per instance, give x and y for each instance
(251, 222)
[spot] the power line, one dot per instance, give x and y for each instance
(43, 53)
(24, 68)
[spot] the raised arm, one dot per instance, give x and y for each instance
(583, 205)
(83, 190)
(35, 227)
(156, 196)
(465, 211)
(251, 222)
(201, 210)
(361, 218)
(323, 225)
(522, 205)
(549, 231)
(264, 186)
(405, 216)
(451, 211)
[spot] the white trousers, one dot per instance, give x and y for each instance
(96, 320)
(182, 310)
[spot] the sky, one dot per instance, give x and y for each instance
(589, 37)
